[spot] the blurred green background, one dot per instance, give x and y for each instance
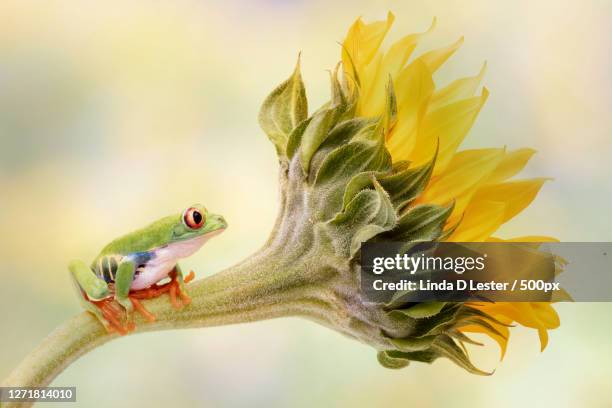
(115, 113)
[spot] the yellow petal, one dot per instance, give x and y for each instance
(517, 195)
(371, 100)
(501, 340)
(546, 314)
(464, 174)
(543, 333)
(362, 42)
(403, 138)
(479, 221)
(449, 125)
(435, 58)
(400, 51)
(390, 66)
(413, 88)
(540, 316)
(511, 164)
(458, 89)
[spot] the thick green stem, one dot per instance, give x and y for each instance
(255, 289)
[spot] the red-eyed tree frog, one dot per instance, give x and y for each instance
(130, 267)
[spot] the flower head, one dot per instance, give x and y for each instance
(428, 119)
(380, 162)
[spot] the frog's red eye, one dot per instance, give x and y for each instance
(193, 218)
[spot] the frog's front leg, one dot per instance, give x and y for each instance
(178, 287)
(123, 281)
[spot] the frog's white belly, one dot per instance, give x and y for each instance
(164, 260)
(153, 272)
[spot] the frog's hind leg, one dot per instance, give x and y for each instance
(175, 288)
(95, 296)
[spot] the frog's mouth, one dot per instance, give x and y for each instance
(214, 233)
(186, 247)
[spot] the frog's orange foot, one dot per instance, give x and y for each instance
(178, 297)
(112, 313)
(141, 309)
(117, 320)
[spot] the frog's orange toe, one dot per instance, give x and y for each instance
(173, 298)
(184, 297)
(190, 276)
(142, 310)
(112, 316)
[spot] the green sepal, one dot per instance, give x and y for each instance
(316, 132)
(446, 346)
(368, 214)
(341, 134)
(424, 222)
(284, 108)
(385, 221)
(423, 310)
(442, 346)
(468, 312)
(355, 157)
(295, 138)
(427, 356)
(450, 230)
(389, 359)
(389, 117)
(413, 343)
(438, 323)
(360, 182)
(344, 132)
(457, 335)
(404, 184)
(352, 75)
(479, 322)
(338, 94)
(420, 327)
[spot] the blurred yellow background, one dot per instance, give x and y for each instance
(115, 113)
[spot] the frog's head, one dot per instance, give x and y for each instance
(190, 229)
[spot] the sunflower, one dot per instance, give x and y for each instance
(480, 182)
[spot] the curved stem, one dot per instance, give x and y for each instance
(255, 289)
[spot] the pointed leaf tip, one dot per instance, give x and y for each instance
(283, 109)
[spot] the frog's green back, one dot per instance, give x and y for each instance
(144, 239)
